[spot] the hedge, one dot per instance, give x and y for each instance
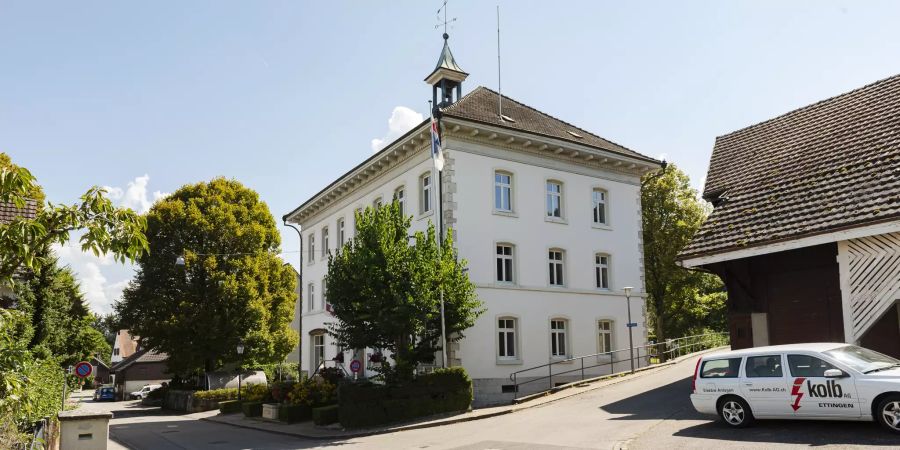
(367, 404)
(325, 415)
(294, 413)
(252, 409)
(229, 406)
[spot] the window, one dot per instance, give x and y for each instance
(116, 351)
(556, 267)
(425, 202)
(324, 242)
(312, 297)
(768, 366)
(312, 248)
(318, 350)
(502, 191)
(324, 294)
(807, 366)
(554, 199)
(558, 338)
(604, 335)
(601, 270)
(506, 329)
(504, 263)
(377, 202)
(720, 368)
(340, 232)
(400, 198)
(598, 197)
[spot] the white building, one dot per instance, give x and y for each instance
(548, 216)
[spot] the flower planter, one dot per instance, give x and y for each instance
(270, 411)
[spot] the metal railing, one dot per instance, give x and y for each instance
(41, 433)
(658, 352)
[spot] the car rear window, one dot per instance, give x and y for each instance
(720, 368)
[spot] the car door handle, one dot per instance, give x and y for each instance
(748, 384)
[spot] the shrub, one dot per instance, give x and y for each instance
(252, 409)
(280, 372)
(217, 394)
(332, 375)
(279, 391)
(367, 404)
(312, 393)
(325, 415)
(229, 406)
(294, 413)
(256, 393)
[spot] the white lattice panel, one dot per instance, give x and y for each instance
(873, 278)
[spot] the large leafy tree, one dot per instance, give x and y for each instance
(680, 301)
(106, 229)
(385, 292)
(231, 287)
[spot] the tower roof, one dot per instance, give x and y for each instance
(446, 62)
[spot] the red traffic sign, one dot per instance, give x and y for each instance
(83, 369)
(355, 365)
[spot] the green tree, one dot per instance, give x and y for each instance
(23, 241)
(385, 293)
(231, 287)
(679, 301)
(59, 323)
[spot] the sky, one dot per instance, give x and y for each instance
(144, 97)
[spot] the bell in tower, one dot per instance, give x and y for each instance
(446, 78)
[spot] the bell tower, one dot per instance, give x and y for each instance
(446, 79)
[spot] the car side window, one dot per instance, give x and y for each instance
(768, 366)
(807, 366)
(720, 368)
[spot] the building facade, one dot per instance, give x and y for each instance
(805, 231)
(546, 214)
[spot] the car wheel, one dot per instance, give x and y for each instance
(735, 412)
(888, 413)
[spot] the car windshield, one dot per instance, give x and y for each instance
(862, 359)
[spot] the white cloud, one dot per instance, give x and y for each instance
(135, 196)
(101, 280)
(402, 120)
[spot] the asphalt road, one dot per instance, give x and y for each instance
(650, 411)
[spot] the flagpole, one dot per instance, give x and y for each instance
(440, 229)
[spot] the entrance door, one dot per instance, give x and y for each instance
(765, 385)
(813, 394)
(741, 331)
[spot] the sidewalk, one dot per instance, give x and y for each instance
(309, 430)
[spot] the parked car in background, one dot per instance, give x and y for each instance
(141, 394)
(822, 381)
(105, 393)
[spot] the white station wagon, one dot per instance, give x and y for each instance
(799, 381)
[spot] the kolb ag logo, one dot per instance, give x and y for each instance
(828, 389)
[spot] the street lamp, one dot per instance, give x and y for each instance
(240, 352)
(630, 325)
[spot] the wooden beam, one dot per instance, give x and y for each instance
(618, 163)
(543, 147)
(510, 140)
(604, 161)
(455, 128)
(526, 144)
(474, 132)
(574, 153)
(588, 157)
(632, 166)
(558, 150)
(492, 136)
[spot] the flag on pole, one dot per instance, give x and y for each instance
(436, 153)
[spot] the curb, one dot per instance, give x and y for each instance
(524, 403)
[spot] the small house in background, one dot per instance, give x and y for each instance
(8, 213)
(805, 230)
(141, 368)
(101, 371)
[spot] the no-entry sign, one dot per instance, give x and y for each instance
(355, 366)
(83, 369)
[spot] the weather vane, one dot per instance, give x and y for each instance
(443, 22)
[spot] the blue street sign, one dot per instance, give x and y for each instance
(631, 325)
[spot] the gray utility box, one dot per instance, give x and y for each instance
(83, 430)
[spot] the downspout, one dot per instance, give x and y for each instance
(299, 296)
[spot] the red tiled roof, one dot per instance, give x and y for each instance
(828, 166)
